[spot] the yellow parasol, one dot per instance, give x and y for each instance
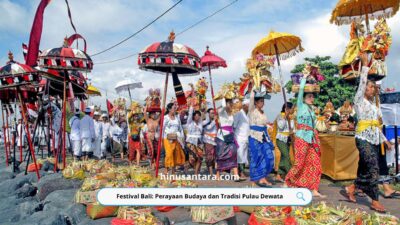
(347, 11)
(93, 91)
(282, 46)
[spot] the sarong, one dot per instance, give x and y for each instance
(368, 169)
(261, 155)
(174, 155)
(196, 153)
(306, 171)
(134, 146)
(226, 152)
(210, 154)
(284, 164)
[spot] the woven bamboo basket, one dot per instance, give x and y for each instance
(266, 220)
(307, 89)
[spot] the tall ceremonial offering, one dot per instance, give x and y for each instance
(377, 42)
(259, 77)
(169, 58)
(314, 76)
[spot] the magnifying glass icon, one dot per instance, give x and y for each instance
(300, 195)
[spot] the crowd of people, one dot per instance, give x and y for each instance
(231, 140)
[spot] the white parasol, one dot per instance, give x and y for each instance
(128, 85)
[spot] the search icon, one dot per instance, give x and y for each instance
(300, 195)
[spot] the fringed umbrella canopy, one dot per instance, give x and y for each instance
(128, 84)
(93, 91)
(347, 11)
(16, 74)
(65, 58)
(283, 44)
(211, 60)
(169, 57)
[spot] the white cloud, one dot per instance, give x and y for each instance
(13, 17)
(231, 34)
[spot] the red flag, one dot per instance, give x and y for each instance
(110, 107)
(36, 34)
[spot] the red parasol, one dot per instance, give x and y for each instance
(211, 61)
(169, 57)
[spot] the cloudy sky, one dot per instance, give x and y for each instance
(231, 34)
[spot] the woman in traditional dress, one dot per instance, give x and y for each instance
(226, 144)
(306, 171)
(261, 149)
(134, 144)
(194, 140)
(173, 139)
(283, 140)
(368, 140)
(209, 134)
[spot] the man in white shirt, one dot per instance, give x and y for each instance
(98, 130)
(87, 134)
(242, 130)
(75, 136)
(106, 140)
(21, 135)
(117, 138)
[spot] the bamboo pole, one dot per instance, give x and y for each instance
(5, 133)
(161, 124)
(28, 133)
(212, 95)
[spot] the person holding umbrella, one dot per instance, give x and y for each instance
(283, 140)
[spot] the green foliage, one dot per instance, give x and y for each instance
(332, 88)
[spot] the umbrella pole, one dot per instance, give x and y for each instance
(130, 96)
(283, 88)
(161, 124)
(64, 122)
(284, 96)
(28, 133)
(5, 133)
(366, 20)
(20, 140)
(212, 95)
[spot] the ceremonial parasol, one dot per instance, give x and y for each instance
(93, 91)
(128, 85)
(169, 57)
(211, 61)
(347, 11)
(66, 61)
(282, 46)
(17, 81)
